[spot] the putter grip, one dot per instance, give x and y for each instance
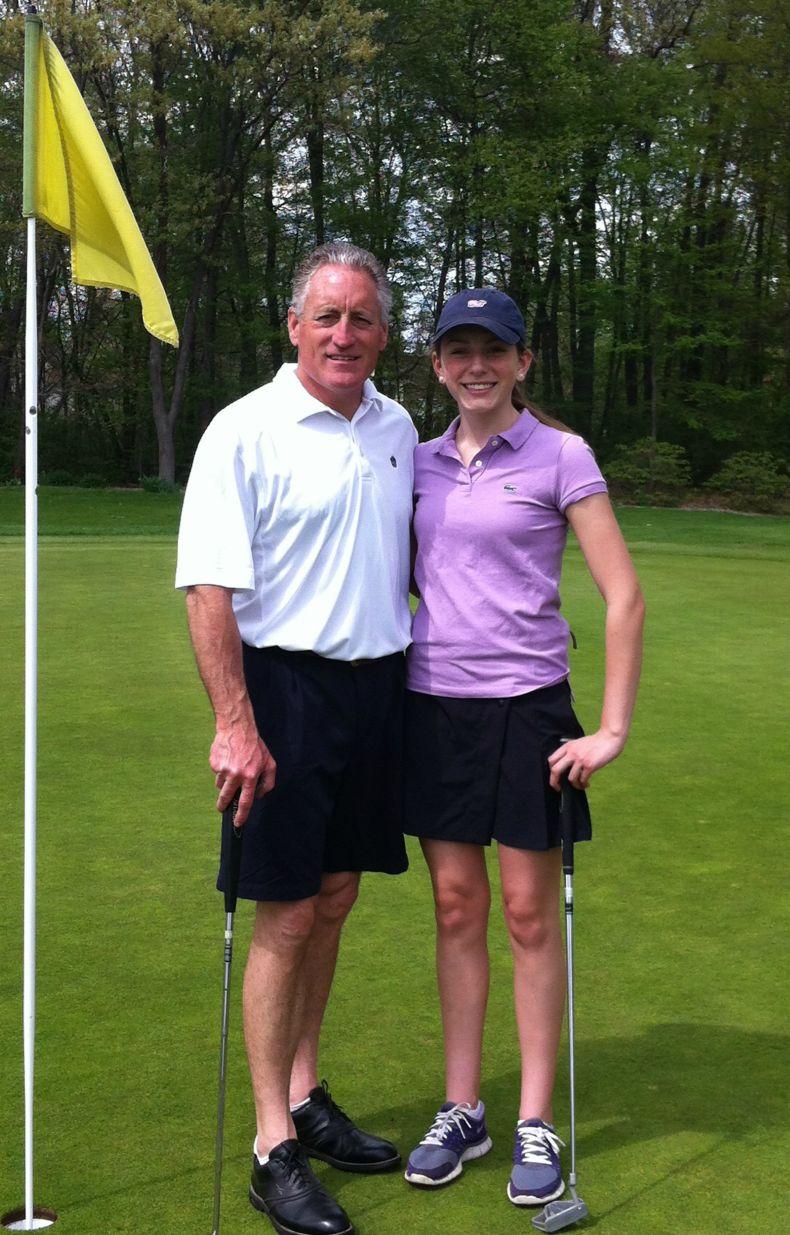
(566, 825)
(231, 854)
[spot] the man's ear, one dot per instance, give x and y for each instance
(293, 326)
(385, 334)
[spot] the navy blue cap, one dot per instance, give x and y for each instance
(486, 307)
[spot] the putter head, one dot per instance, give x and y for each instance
(558, 1214)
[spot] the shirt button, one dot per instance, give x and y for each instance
(478, 462)
(494, 441)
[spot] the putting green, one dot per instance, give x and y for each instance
(680, 922)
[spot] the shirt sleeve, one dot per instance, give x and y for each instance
(578, 474)
(218, 515)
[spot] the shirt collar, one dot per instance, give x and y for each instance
(515, 436)
(302, 404)
(521, 431)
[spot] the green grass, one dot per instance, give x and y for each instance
(681, 914)
(63, 511)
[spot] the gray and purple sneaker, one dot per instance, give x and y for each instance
(457, 1135)
(537, 1174)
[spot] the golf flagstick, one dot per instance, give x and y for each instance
(231, 863)
(30, 1217)
(558, 1214)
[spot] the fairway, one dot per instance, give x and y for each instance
(681, 911)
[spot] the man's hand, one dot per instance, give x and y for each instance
(242, 763)
(583, 756)
(240, 760)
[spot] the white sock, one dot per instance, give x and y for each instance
(477, 1111)
(261, 1161)
(297, 1106)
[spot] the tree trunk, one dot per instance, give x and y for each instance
(270, 279)
(584, 369)
(164, 425)
(315, 155)
(248, 359)
(207, 366)
(428, 429)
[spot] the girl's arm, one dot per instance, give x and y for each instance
(605, 552)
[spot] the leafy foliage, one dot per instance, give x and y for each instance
(752, 480)
(649, 470)
(621, 170)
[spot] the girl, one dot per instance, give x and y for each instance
(488, 707)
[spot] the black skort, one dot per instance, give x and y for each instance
(335, 730)
(476, 770)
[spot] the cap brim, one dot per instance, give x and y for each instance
(488, 323)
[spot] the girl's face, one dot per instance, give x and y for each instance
(479, 370)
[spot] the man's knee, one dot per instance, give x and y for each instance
(284, 927)
(337, 896)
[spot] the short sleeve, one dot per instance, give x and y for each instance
(218, 515)
(578, 474)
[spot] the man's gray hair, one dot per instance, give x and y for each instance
(340, 254)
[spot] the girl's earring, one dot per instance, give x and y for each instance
(441, 379)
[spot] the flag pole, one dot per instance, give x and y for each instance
(30, 1219)
(32, 36)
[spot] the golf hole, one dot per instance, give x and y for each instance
(14, 1220)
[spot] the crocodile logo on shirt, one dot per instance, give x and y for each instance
(510, 488)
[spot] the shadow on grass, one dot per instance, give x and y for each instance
(672, 1078)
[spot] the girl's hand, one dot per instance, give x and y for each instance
(582, 756)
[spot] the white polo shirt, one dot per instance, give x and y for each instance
(305, 516)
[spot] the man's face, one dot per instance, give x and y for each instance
(338, 336)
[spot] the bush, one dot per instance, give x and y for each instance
(155, 484)
(752, 480)
(92, 480)
(648, 470)
(57, 476)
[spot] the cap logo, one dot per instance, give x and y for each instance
(476, 304)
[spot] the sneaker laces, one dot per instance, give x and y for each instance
(444, 1123)
(537, 1144)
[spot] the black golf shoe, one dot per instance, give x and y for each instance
(326, 1132)
(296, 1203)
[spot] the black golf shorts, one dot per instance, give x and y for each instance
(476, 770)
(335, 730)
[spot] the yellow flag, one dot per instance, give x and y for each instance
(77, 192)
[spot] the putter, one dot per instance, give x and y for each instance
(231, 860)
(558, 1214)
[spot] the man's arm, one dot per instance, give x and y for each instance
(239, 758)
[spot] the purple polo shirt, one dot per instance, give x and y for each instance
(490, 539)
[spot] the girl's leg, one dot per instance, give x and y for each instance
(530, 892)
(462, 900)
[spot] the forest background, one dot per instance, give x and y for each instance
(621, 168)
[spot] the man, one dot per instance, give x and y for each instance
(294, 551)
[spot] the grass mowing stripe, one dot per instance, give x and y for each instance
(681, 1026)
